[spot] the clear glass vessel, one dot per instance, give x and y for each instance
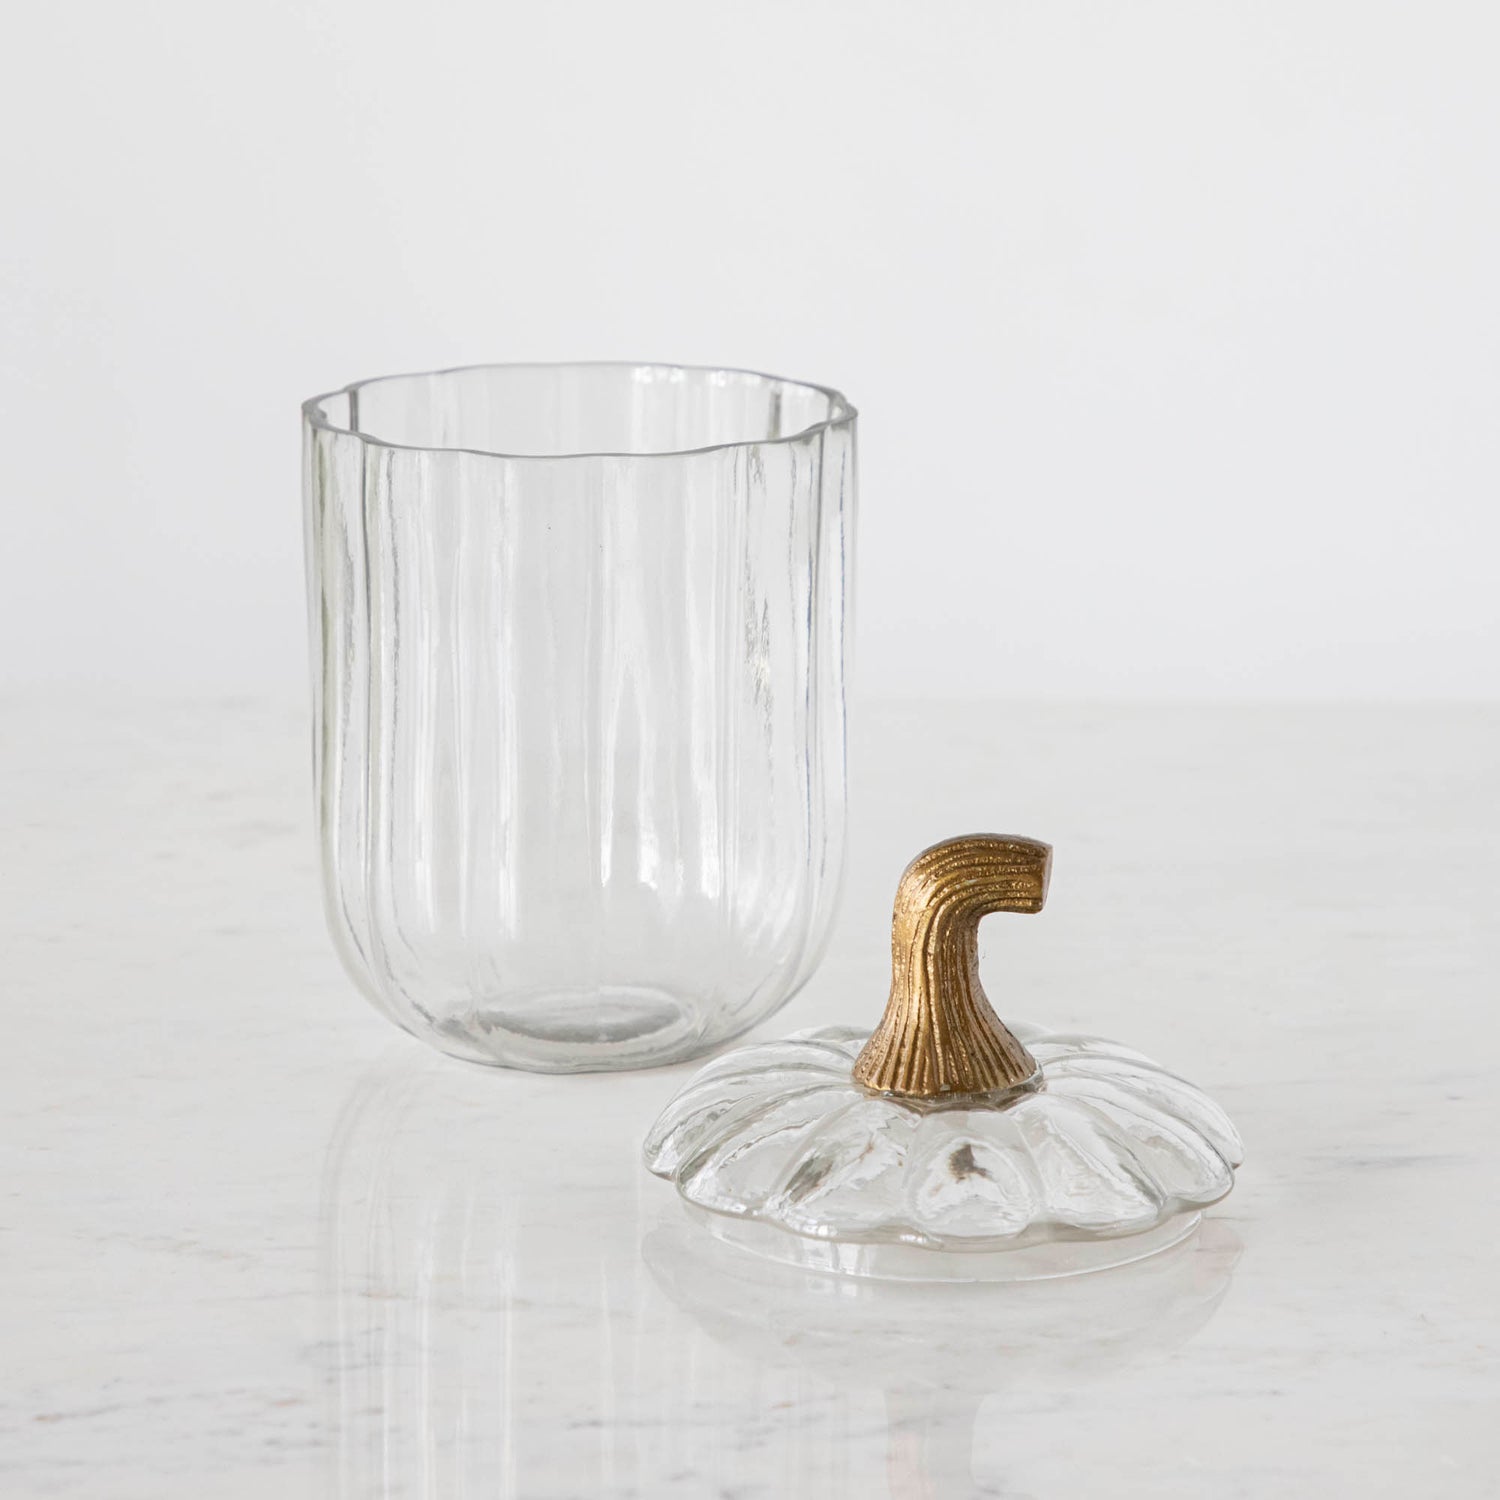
(579, 642)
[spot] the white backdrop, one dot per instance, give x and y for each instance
(1174, 327)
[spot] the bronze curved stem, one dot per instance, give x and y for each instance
(939, 1035)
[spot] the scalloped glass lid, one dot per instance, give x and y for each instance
(946, 1145)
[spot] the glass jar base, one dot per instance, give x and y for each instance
(582, 1031)
(896, 1262)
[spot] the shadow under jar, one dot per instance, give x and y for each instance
(579, 644)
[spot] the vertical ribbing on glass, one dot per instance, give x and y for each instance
(581, 715)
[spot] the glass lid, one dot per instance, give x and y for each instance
(946, 1145)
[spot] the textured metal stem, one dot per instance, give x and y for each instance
(939, 1035)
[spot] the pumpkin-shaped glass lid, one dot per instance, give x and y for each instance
(946, 1145)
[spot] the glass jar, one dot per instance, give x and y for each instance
(579, 638)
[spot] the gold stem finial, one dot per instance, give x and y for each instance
(939, 1035)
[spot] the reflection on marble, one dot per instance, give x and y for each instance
(936, 1351)
(462, 1305)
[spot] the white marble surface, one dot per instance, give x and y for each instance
(256, 1243)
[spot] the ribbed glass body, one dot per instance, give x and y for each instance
(579, 655)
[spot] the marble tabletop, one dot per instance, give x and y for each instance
(256, 1243)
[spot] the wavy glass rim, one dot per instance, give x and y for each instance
(841, 412)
